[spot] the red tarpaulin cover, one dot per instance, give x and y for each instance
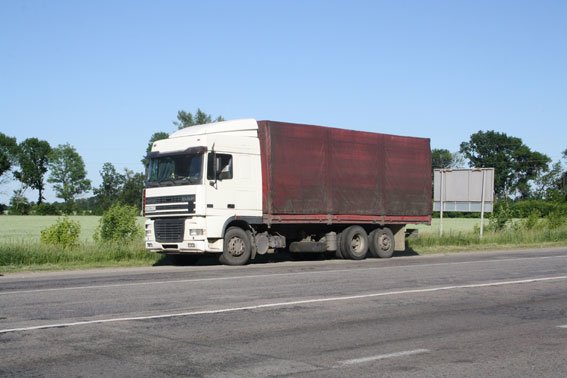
(314, 170)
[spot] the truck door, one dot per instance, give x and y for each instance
(221, 190)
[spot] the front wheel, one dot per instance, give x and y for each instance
(237, 247)
(381, 243)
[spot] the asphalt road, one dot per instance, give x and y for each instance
(500, 314)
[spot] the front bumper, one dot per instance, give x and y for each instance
(192, 246)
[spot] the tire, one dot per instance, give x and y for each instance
(237, 247)
(339, 252)
(354, 243)
(382, 243)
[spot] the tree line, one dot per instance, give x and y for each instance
(34, 163)
(520, 173)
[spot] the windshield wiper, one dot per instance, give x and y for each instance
(166, 182)
(189, 179)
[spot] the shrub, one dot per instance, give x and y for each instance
(500, 217)
(19, 204)
(532, 221)
(555, 219)
(118, 224)
(46, 209)
(523, 209)
(64, 232)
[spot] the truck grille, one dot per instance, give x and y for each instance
(169, 230)
(169, 199)
(170, 205)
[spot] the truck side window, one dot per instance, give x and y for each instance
(224, 165)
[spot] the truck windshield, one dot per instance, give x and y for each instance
(183, 169)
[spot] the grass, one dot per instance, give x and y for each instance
(20, 249)
(29, 256)
(463, 235)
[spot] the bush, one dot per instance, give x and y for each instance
(64, 232)
(119, 224)
(46, 209)
(500, 217)
(19, 204)
(555, 219)
(531, 222)
(523, 209)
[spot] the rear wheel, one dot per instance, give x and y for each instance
(381, 243)
(354, 243)
(237, 247)
(339, 252)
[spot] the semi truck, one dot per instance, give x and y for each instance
(245, 188)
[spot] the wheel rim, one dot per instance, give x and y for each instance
(357, 244)
(236, 246)
(384, 243)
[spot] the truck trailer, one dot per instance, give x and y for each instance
(244, 188)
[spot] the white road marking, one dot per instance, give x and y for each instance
(382, 357)
(152, 283)
(283, 304)
(563, 326)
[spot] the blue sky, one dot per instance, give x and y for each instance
(105, 75)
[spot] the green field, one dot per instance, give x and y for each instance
(450, 225)
(27, 228)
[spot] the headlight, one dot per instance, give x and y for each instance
(196, 231)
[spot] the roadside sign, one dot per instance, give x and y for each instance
(463, 190)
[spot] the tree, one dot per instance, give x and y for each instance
(529, 165)
(514, 163)
(156, 136)
(68, 174)
(441, 158)
(8, 152)
(186, 119)
(132, 189)
(109, 190)
(33, 158)
(563, 180)
(445, 159)
(547, 185)
(19, 204)
(458, 160)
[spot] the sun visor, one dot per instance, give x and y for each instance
(188, 151)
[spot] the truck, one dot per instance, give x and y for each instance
(244, 188)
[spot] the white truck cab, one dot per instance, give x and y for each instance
(199, 180)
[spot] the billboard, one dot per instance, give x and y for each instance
(463, 190)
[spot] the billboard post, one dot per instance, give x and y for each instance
(482, 203)
(441, 200)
